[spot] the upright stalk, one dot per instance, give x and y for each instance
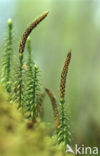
(54, 106)
(21, 50)
(6, 59)
(63, 118)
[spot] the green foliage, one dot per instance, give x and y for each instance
(62, 120)
(7, 52)
(64, 131)
(18, 138)
(18, 84)
(29, 50)
(31, 85)
(62, 123)
(20, 81)
(26, 94)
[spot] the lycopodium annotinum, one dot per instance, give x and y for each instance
(64, 134)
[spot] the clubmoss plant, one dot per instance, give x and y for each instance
(64, 134)
(62, 118)
(21, 50)
(32, 86)
(6, 58)
(29, 82)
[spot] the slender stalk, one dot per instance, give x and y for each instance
(35, 90)
(29, 50)
(21, 50)
(20, 79)
(54, 106)
(6, 59)
(63, 118)
(9, 55)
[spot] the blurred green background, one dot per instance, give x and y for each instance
(71, 24)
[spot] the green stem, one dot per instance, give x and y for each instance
(62, 122)
(20, 79)
(9, 51)
(34, 90)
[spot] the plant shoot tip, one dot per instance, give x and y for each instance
(46, 12)
(69, 53)
(35, 66)
(9, 22)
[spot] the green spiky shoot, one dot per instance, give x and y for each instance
(31, 84)
(6, 58)
(29, 50)
(30, 63)
(64, 134)
(26, 84)
(32, 91)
